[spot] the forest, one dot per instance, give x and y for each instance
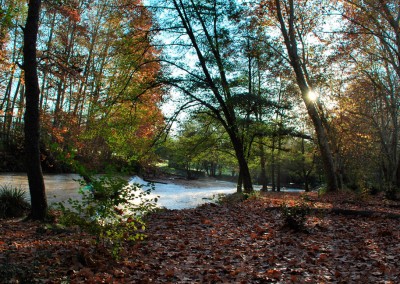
(268, 94)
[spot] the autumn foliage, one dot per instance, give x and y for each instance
(97, 69)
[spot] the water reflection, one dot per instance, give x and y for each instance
(61, 187)
(175, 196)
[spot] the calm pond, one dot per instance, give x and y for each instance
(60, 187)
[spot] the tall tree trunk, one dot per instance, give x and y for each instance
(263, 180)
(398, 174)
(243, 166)
(89, 68)
(278, 166)
(6, 105)
(289, 35)
(239, 183)
(45, 71)
(32, 114)
(303, 167)
(273, 164)
(11, 117)
(20, 107)
(222, 92)
(8, 111)
(263, 171)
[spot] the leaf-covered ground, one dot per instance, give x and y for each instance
(346, 240)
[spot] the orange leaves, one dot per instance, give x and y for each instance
(118, 273)
(253, 236)
(323, 257)
(85, 273)
(274, 274)
(170, 272)
(242, 243)
(227, 242)
(206, 221)
(69, 12)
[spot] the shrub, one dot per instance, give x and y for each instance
(295, 215)
(13, 202)
(228, 199)
(110, 209)
(234, 198)
(219, 198)
(254, 195)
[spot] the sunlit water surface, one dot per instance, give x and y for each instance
(61, 187)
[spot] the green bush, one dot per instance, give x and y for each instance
(13, 202)
(111, 209)
(228, 199)
(255, 194)
(295, 215)
(219, 198)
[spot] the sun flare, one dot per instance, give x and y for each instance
(313, 95)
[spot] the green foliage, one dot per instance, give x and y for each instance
(364, 189)
(219, 198)
(295, 214)
(13, 202)
(111, 209)
(322, 190)
(201, 145)
(252, 195)
(229, 199)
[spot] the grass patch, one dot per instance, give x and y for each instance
(13, 202)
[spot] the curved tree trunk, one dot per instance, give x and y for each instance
(289, 35)
(220, 88)
(325, 149)
(32, 114)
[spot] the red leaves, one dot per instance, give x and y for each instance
(170, 272)
(243, 243)
(69, 12)
(85, 273)
(323, 257)
(206, 221)
(274, 274)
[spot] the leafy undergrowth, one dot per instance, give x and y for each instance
(235, 243)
